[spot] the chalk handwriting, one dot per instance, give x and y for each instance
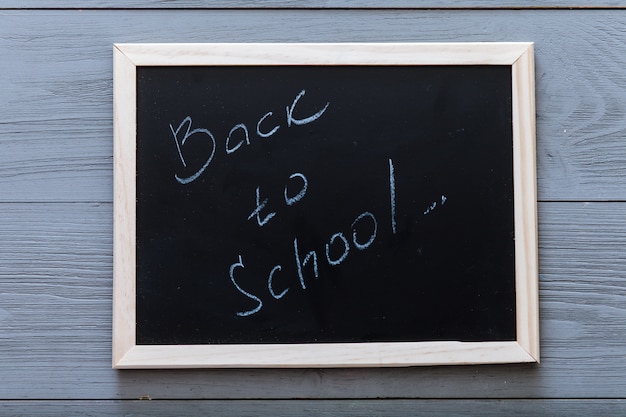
(346, 249)
(362, 246)
(238, 136)
(269, 284)
(363, 229)
(239, 264)
(181, 143)
(363, 233)
(290, 201)
(260, 205)
(312, 255)
(291, 119)
(311, 258)
(244, 129)
(392, 193)
(258, 126)
(434, 205)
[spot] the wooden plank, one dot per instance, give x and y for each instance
(295, 4)
(331, 408)
(62, 61)
(55, 321)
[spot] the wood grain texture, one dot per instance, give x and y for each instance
(56, 215)
(124, 207)
(463, 53)
(318, 408)
(55, 321)
(310, 4)
(56, 112)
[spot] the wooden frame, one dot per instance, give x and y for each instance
(127, 354)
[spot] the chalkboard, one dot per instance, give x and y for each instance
(310, 204)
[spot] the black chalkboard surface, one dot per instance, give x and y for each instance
(316, 204)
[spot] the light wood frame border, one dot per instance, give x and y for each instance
(127, 354)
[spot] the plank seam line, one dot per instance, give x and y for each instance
(328, 399)
(316, 8)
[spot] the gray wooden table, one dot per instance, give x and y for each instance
(56, 211)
